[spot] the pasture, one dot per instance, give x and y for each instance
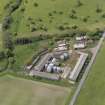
(48, 15)
(16, 91)
(2, 5)
(93, 91)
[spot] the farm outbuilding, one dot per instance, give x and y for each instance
(80, 38)
(78, 67)
(61, 46)
(79, 45)
(43, 61)
(44, 75)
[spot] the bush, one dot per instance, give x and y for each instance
(85, 19)
(72, 16)
(2, 55)
(79, 3)
(103, 15)
(98, 9)
(36, 4)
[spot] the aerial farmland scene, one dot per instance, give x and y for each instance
(52, 52)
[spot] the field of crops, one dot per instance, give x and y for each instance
(93, 91)
(16, 91)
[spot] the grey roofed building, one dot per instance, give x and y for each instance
(44, 75)
(43, 61)
(79, 65)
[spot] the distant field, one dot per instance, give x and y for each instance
(93, 92)
(16, 91)
(52, 13)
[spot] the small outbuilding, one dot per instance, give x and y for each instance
(79, 45)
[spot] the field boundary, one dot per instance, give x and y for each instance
(76, 94)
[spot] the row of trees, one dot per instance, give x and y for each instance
(8, 44)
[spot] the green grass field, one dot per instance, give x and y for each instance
(16, 91)
(2, 5)
(59, 11)
(93, 91)
(2, 14)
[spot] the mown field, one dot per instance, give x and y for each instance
(16, 91)
(48, 15)
(93, 92)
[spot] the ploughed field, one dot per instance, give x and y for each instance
(93, 92)
(16, 91)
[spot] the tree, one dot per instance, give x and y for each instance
(7, 41)
(36, 4)
(98, 9)
(79, 3)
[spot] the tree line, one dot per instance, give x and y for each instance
(7, 40)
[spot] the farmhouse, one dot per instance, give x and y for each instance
(79, 65)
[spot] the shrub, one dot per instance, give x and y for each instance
(36, 4)
(98, 9)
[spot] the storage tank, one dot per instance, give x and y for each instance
(66, 55)
(50, 68)
(54, 69)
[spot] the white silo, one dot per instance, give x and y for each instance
(50, 68)
(66, 55)
(54, 69)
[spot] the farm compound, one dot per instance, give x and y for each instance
(55, 65)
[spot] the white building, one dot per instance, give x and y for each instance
(79, 45)
(61, 46)
(80, 38)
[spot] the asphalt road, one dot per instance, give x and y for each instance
(76, 94)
